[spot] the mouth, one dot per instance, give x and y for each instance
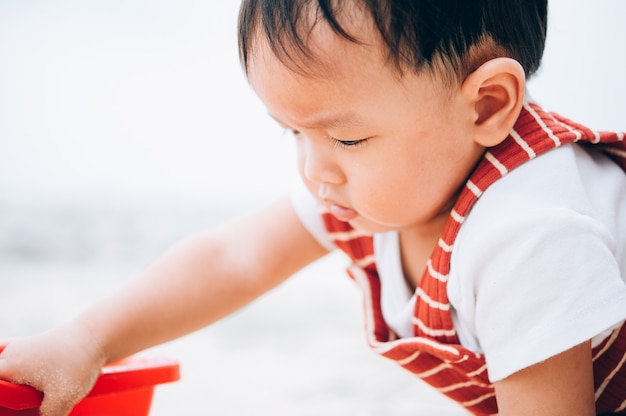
(342, 213)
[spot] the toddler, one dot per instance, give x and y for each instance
(488, 236)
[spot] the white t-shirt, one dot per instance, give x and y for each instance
(538, 267)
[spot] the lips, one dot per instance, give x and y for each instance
(342, 213)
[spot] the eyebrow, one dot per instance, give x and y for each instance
(329, 121)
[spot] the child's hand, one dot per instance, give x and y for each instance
(59, 363)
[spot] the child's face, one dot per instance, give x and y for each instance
(381, 150)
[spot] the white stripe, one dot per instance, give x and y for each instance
(475, 189)
(596, 137)
(432, 303)
(608, 378)
(347, 235)
(457, 217)
(426, 341)
(620, 136)
(433, 332)
(432, 371)
(495, 162)
(518, 139)
(455, 386)
(462, 385)
(434, 273)
(365, 261)
(410, 358)
(608, 344)
(476, 372)
(384, 347)
(444, 246)
(479, 399)
(577, 133)
(545, 128)
(621, 407)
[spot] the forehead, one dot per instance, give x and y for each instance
(316, 90)
(336, 81)
(313, 45)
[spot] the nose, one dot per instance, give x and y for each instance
(317, 163)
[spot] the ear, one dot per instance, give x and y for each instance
(495, 92)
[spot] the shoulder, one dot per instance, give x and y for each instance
(565, 185)
(541, 245)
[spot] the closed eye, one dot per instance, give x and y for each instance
(336, 143)
(351, 144)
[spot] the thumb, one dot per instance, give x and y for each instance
(55, 405)
(62, 392)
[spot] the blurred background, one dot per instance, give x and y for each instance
(126, 125)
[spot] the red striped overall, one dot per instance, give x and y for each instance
(434, 353)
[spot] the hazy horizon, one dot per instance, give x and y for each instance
(146, 99)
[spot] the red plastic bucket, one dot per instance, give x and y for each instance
(124, 388)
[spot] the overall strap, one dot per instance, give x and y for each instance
(534, 133)
(434, 353)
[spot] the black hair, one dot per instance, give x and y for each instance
(418, 33)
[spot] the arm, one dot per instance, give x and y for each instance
(199, 281)
(204, 279)
(561, 385)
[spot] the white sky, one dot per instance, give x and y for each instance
(146, 97)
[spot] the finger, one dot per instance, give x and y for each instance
(60, 397)
(52, 407)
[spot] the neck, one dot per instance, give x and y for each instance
(416, 246)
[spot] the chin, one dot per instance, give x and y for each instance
(370, 227)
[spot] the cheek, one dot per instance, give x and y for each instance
(405, 189)
(380, 190)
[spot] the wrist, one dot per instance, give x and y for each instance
(85, 334)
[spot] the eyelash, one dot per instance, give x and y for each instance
(347, 144)
(336, 143)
